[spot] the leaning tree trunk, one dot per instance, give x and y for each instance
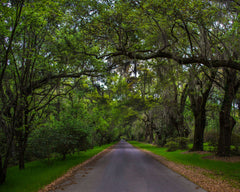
(226, 120)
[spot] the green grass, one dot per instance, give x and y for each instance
(40, 173)
(229, 171)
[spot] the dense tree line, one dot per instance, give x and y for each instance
(75, 74)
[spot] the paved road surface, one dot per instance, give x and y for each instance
(127, 169)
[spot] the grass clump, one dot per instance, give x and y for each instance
(37, 174)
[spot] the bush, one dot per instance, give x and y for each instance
(61, 137)
(41, 142)
(182, 142)
(70, 138)
(172, 146)
(177, 143)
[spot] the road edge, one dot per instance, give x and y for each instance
(198, 175)
(53, 185)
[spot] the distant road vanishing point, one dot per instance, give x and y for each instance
(127, 169)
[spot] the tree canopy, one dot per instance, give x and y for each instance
(75, 74)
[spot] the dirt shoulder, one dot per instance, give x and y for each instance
(206, 179)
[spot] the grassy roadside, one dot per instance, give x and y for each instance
(227, 170)
(40, 173)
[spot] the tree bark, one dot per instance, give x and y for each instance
(2, 171)
(150, 134)
(21, 156)
(4, 165)
(200, 121)
(226, 120)
(198, 100)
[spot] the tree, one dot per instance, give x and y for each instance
(199, 91)
(34, 54)
(189, 32)
(227, 122)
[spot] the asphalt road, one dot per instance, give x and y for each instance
(127, 169)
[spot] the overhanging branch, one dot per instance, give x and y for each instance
(181, 60)
(45, 80)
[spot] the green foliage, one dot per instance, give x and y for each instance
(182, 142)
(51, 47)
(41, 143)
(65, 135)
(174, 144)
(70, 135)
(171, 146)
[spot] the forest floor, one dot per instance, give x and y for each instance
(206, 179)
(232, 159)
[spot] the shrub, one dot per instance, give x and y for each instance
(177, 143)
(41, 142)
(61, 137)
(182, 142)
(172, 146)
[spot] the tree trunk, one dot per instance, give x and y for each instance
(4, 165)
(22, 145)
(2, 171)
(21, 163)
(200, 120)
(151, 135)
(22, 138)
(178, 124)
(226, 126)
(64, 156)
(198, 105)
(226, 120)
(198, 100)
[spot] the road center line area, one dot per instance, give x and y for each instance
(127, 169)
